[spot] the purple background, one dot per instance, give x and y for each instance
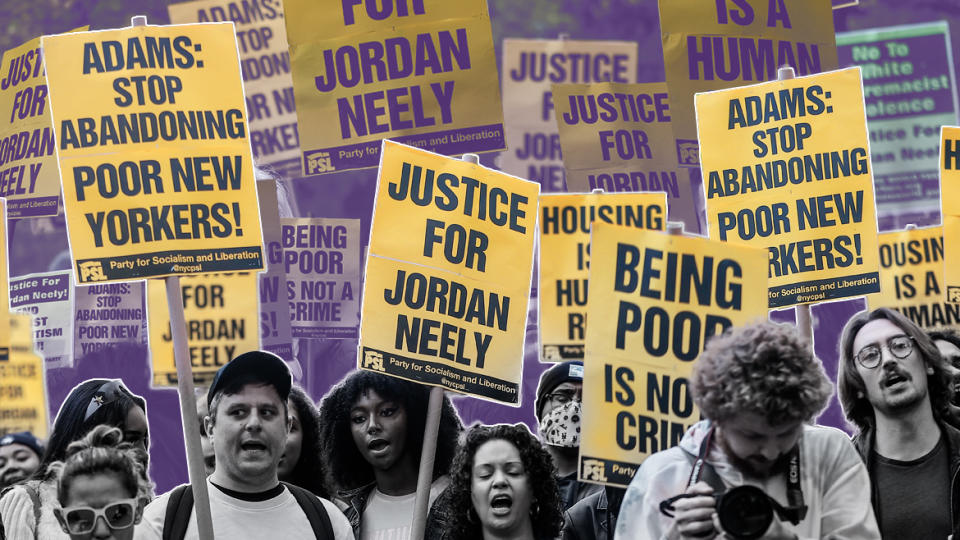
(40, 244)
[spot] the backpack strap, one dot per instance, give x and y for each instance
(177, 517)
(314, 509)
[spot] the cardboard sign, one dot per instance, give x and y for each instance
(108, 314)
(29, 176)
(275, 333)
(265, 64)
(421, 73)
(47, 297)
(564, 259)
(951, 258)
(654, 301)
(786, 167)
(223, 321)
(950, 170)
(727, 43)
(153, 151)
(23, 389)
(448, 274)
(530, 66)
(618, 137)
(321, 257)
(908, 84)
(911, 273)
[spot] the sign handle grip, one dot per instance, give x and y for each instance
(429, 451)
(804, 323)
(188, 408)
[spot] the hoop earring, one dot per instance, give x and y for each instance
(929, 370)
(859, 394)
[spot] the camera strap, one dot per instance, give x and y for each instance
(795, 511)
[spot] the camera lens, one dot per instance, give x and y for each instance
(745, 512)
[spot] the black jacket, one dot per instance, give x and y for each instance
(593, 517)
(864, 441)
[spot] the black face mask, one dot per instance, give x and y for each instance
(746, 512)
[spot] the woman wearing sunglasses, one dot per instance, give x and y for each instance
(26, 508)
(99, 489)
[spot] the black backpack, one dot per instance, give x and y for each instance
(180, 506)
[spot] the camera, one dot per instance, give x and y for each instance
(745, 512)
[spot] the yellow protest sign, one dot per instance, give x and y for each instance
(786, 168)
(911, 274)
(529, 68)
(950, 170)
(223, 321)
(727, 43)
(23, 389)
(29, 176)
(153, 150)
(265, 64)
(448, 274)
(422, 73)
(951, 257)
(564, 259)
(654, 301)
(618, 137)
(321, 258)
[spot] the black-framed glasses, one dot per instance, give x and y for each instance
(83, 519)
(899, 346)
(566, 396)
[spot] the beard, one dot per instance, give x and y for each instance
(756, 466)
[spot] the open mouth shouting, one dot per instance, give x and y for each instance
(501, 504)
(893, 379)
(378, 447)
(253, 446)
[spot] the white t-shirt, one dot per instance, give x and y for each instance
(388, 517)
(236, 519)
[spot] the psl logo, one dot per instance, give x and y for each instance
(953, 295)
(688, 153)
(91, 271)
(373, 360)
(551, 353)
(319, 162)
(593, 469)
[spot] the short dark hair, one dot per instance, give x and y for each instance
(72, 424)
(546, 513)
(346, 466)
(308, 472)
(763, 368)
(850, 386)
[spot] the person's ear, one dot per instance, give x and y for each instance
(208, 426)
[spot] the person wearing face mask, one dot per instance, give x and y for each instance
(502, 487)
(371, 433)
(100, 487)
(558, 411)
(19, 457)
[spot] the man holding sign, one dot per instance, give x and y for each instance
(755, 466)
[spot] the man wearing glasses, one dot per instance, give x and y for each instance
(558, 411)
(896, 388)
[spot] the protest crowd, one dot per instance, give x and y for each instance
(271, 217)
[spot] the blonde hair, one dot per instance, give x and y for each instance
(103, 451)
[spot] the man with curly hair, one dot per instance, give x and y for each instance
(896, 387)
(759, 388)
